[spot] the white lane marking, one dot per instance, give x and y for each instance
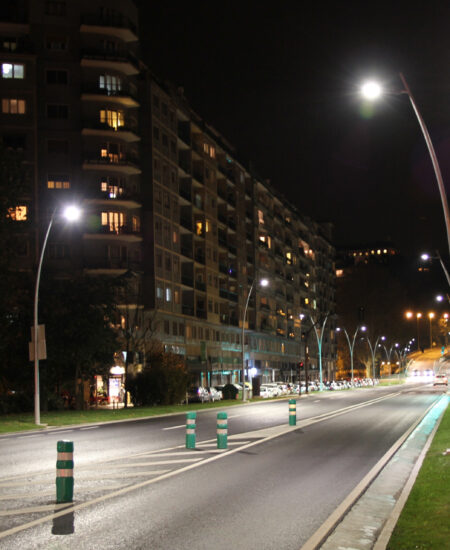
(138, 464)
(28, 436)
(200, 445)
(175, 427)
(173, 473)
(316, 401)
(34, 509)
(60, 432)
(90, 428)
(235, 415)
(27, 495)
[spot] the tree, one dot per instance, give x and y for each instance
(163, 380)
(81, 338)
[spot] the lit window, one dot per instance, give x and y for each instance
(199, 228)
(159, 293)
(212, 152)
(260, 217)
(13, 106)
(58, 182)
(111, 83)
(135, 224)
(206, 148)
(18, 214)
(339, 272)
(113, 221)
(13, 70)
(113, 119)
(168, 295)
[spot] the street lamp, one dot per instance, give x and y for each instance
(389, 353)
(373, 351)
(426, 257)
(263, 283)
(410, 315)
(372, 90)
(71, 214)
(431, 316)
(351, 344)
(319, 332)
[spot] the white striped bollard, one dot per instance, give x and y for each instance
(292, 412)
(64, 471)
(190, 430)
(222, 430)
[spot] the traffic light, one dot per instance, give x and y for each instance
(300, 365)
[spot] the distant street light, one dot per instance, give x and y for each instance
(389, 353)
(410, 315)
(263, 283)
(373, 351)
(372, 90)
(431, 316)
(351, 344)
(71, 214)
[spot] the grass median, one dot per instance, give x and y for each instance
(424, 523)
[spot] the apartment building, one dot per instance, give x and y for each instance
(165, 197)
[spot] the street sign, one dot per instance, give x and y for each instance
(42, 347)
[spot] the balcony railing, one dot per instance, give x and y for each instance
(187, 310)
(200, 285)
(187, 281)
(117, 20)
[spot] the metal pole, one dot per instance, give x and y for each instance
(433, 156)
(37, 407)
(243, 339)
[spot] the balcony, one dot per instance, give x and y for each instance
(231, 224)
(187, 310)
(200, 257)
(114, 25)
(232, 249)
(223, 268)
(125, 97)
(223, 293)
(125, 133)
(200, 285)
(123, 233)
(126, 199)
(187, 281)
(232, 296)
(185, 193)
(186, 222)
(122, 166)
(122, 62)
(186, 251)
(201, 313)
(111, 264)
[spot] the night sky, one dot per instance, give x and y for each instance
(281, 80)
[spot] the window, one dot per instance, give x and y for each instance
(168, 262)
(111, 83)
(13, 70)
(58, 146)
(14, 106)
(112, 186)
(168, 294)
(57, 111)
(58, 181)
(55, 7)
(113, 221)
(56, 77)
(56, 43)
(159, 291)
(158, 259)
(166, 327)
(155, 133)
(14, 141)
(18, 213)
(113, 152)
(113, 119)
(135, 224)
(9, 44)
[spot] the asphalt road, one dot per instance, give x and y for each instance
(136, 486)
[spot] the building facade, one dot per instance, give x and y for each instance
(165, 199)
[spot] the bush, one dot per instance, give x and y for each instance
(162, 382)
(230, 391)
(15, 402)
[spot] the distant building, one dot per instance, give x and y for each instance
(165, 197)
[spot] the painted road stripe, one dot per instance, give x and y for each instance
(282, 430)
(34, 509)
(138, 464)
(175, 427)
(90, 428)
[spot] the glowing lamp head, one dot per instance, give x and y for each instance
(425, 257)
(72, 213)
(409, 314)
(363, 328)
(371, 90)
(439, 298)
(264, 282)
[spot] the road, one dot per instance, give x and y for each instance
(136, 486)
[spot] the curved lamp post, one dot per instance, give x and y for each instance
(372, 90)
(351, 343)
(319, 332)
(263, 283)
(389, 353)
(373, 350)
(71, 214)
(426, 257)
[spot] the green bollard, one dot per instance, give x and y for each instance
(64, 471)
(190, 430)
(222, 430)
(292, 412)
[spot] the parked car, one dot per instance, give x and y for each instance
(440, 380)
(265, 392)
(215, 394)
(198, 394)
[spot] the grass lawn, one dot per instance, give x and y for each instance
(424, 523)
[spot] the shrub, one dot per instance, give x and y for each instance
(230, 391)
